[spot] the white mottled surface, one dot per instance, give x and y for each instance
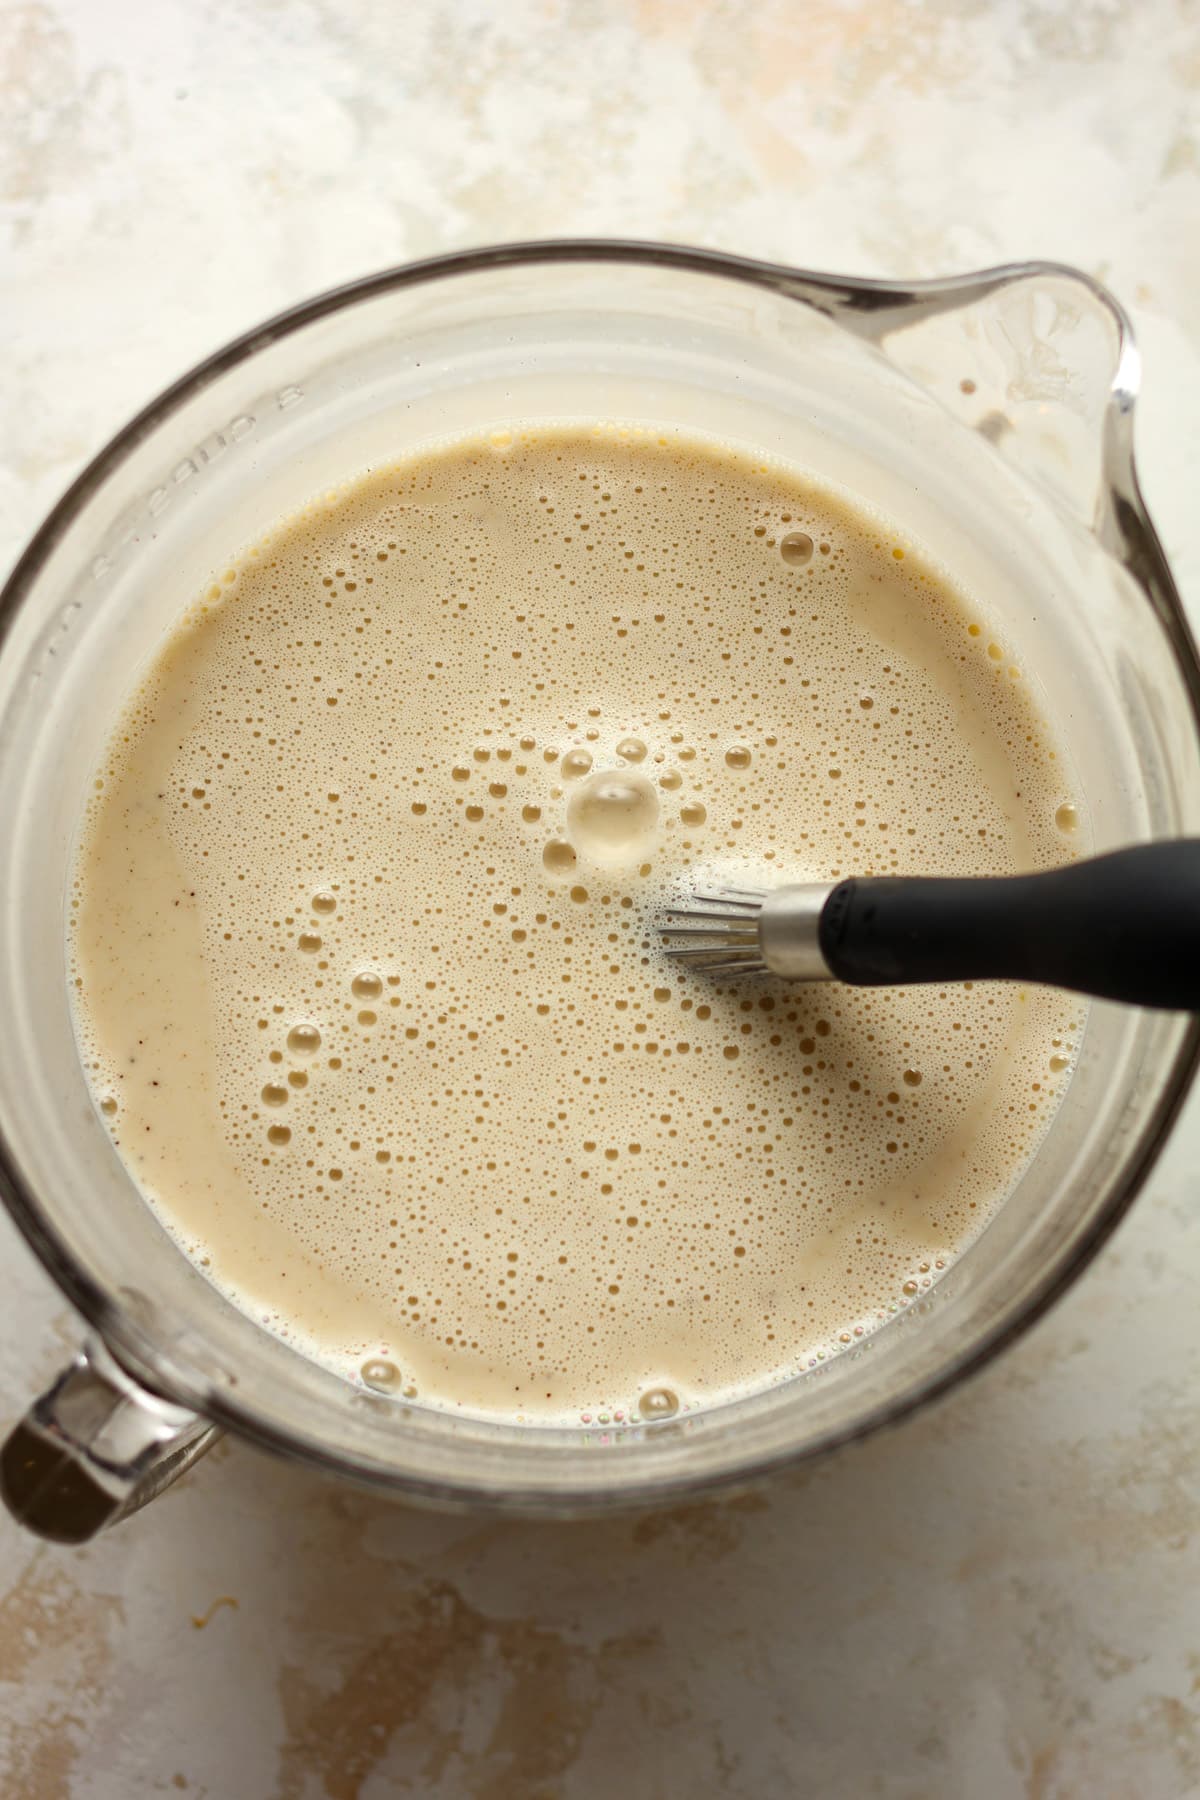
(998, 1600)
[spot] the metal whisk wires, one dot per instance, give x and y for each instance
(721, 935)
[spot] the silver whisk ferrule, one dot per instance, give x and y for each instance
(748, 931)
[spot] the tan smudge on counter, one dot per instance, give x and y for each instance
(549, 1688)
(700, 1533)
(54, 1636)
(200, 1620)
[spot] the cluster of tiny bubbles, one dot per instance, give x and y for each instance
(449, 742)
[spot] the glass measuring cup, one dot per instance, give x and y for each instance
(991, 413)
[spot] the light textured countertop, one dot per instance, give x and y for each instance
(1000, 1599)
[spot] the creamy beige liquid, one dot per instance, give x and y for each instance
(365, 970)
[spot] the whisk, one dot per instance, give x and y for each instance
(1125, 926)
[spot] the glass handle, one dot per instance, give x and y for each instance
(94, 1448)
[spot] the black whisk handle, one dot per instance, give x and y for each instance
(1125, 926)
